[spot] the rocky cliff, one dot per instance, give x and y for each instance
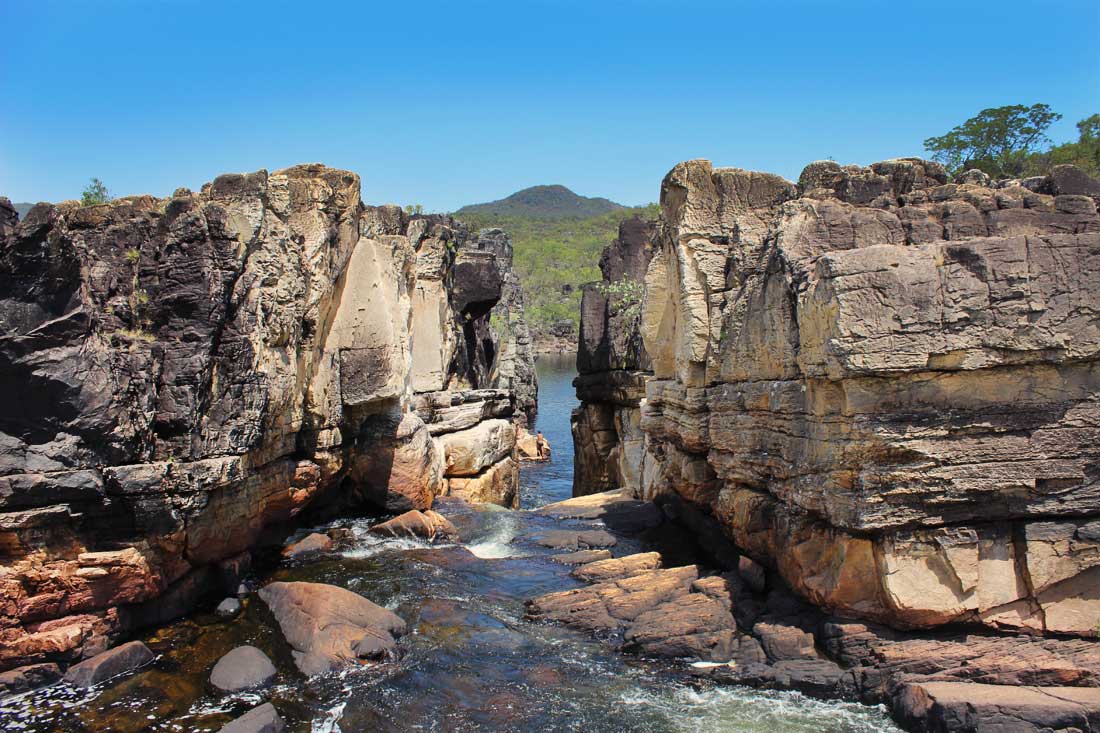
(884, 386)
(183, 376)
(612, 367)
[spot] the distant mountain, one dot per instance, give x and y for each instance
(544, 202)
(22, 209)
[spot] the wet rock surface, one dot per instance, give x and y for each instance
(109, 664)
(261, 719)
(246, 667)
(430, 525)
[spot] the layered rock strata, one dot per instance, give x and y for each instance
(612, 367)
(184, 375)
(885, 386)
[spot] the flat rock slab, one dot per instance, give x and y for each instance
(428, 525)
(308, 545)
(619, 567)
(668, 613)
(243, 668)
(966, 706)
(568, 539)
(262, 719)
(21, 679)
(331, 627)
(111, 663)
(580, 557)
(590, 506)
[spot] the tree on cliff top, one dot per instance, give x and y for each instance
(999, 140)
(95, 193)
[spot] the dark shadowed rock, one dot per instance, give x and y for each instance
(111, 663)
(21, 679)
(1069, 179)
(261, 719)
(243, 668)
(330, 627)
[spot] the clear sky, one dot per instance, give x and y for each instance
(459, 102)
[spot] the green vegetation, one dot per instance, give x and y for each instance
(624, 297)
(95, 193)
(555, 256)
(1011, 142)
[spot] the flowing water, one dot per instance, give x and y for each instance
(471, 662)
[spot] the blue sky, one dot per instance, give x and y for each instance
(451, 103)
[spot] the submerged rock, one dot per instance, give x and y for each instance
(261, 719)
(331, 627)
(243, 668)
(111, 663)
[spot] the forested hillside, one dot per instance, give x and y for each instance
(554, 256)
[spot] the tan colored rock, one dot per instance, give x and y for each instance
(428, 525)
(884, 385)
(330, 627)
(498, 484)
(620, 567)
(469, 452)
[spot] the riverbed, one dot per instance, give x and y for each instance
(471, 662)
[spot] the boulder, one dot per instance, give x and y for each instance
(21, 679)
(782, 641)
(308, 545)
(331, 627)
(428, 525)
(261, 719)
(243, 668)
(111, 663)
(228, 608)
(469, 452)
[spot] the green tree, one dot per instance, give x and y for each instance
(414, 209)
(999, 140)
(95, 193)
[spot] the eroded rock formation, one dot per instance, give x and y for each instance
(183, 375)
(612, 367)
(885, 386)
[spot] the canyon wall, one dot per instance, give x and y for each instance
(612, 367)
(185, 376)
(885, 386)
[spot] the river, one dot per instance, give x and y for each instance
(471, 663)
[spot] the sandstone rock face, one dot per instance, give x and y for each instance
(885, 386)
(184, 373)
(612, 364)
